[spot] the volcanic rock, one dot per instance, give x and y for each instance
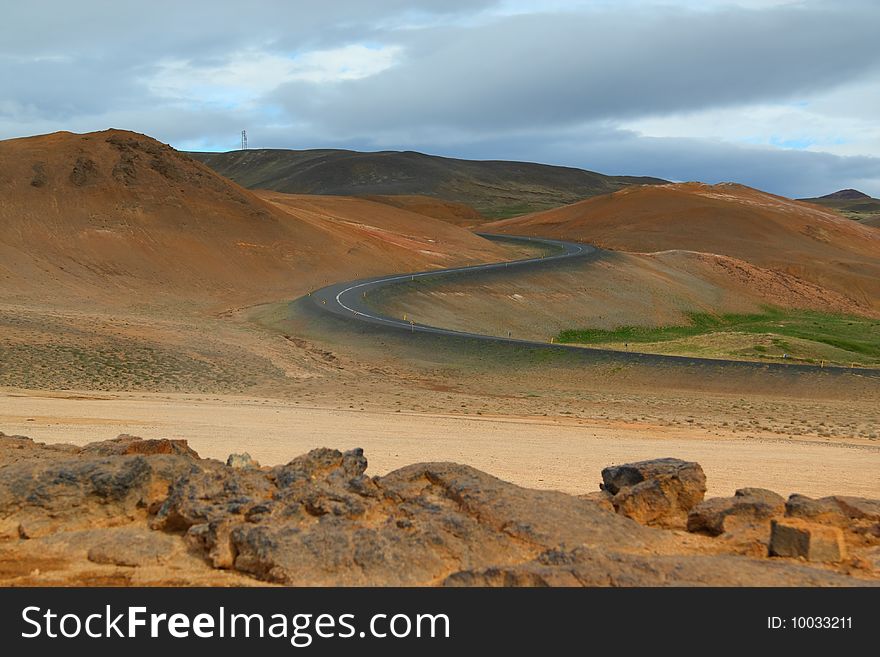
(125, 444)
(587, 566)
(132, 547)
(791, 537)
(101, 514)
(51, 488)
(859, 517)
(659, 491)
(241, 461)
(748, 507)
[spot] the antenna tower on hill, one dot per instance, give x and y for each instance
(244, 140)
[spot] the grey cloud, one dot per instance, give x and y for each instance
(69, 59)
(540, 87)
(790, 173)
(132, 31)
(565, 68)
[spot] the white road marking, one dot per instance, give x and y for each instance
(439, 272)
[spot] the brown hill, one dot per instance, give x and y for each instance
(455, 213)
(845, 195)
(116, 216)
(495, 188)
(851, 203)
(769, 231)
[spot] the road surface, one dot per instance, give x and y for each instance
(348, 300)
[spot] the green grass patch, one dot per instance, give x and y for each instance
(859, 336)
(517, 210)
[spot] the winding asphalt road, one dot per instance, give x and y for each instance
(347, 300)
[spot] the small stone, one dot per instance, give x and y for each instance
(243, 460)
(790, 537)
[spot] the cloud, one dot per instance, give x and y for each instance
(563, 68)
(774, 93)
(247, 75)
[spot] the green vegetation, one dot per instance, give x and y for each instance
(804, 335)
(508, 211)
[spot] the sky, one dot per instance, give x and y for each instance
(778, 94)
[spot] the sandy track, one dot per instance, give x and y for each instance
(542, 453)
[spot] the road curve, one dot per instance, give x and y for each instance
(346, 300)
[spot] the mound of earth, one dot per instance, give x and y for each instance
(153, 512)
(118, 217)
(771, 232)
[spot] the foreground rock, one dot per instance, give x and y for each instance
(858, 517)
(656, 492)
(152, 512)
(749, 508)
(790, 537)
(45, 489)
(586, 566)
(320, 520)
(743, 520)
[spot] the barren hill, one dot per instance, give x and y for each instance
(494, 188)
(768, 231)
(851, 203)
(844, 195)
(114, 215)
(122, 261)
(459, 214)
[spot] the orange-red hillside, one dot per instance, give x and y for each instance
(117, 216)
(455, 213)
(727, 219)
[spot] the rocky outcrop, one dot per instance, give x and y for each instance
(656, 492)
(858, 517)
(320, 520)
(748, 508)
(133, 546)
(45, 489)
(587, 566)
(135, 511)
(791, 537)
(125, 444)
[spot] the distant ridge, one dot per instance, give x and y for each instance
(851, 203)
(846, 194)
(117, 217)
(497, 189)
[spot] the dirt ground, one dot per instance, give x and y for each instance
(564, 453)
